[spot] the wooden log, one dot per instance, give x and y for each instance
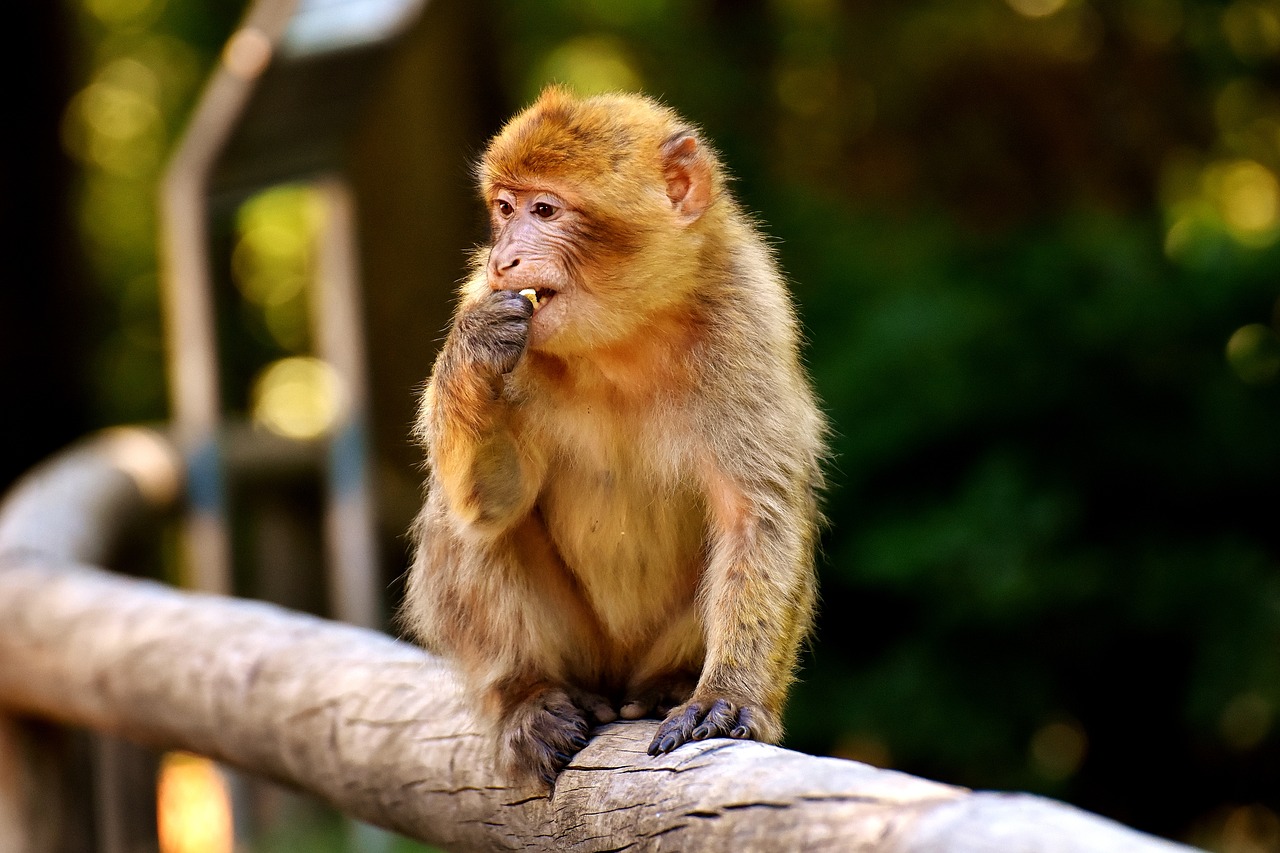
(381, 729)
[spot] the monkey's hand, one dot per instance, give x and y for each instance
(493, 332)
(476, 462)
(714, 716)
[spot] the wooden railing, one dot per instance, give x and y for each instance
(379, 728)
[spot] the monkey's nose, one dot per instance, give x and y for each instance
(504, 263)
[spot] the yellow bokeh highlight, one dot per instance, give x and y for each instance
(1036, 8)
(298, 397)
(114, 123)
(590, 65)
(193, 806)
(1253, 352)
(1248, 196)
(119, 13)
(1252, 28)
(1180, 236)
(273, 259)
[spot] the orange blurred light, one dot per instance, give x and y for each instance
(193, 806)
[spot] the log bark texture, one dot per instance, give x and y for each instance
(381, 730)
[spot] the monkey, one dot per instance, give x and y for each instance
(623, 450)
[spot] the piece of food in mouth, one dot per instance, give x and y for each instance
(537, 297)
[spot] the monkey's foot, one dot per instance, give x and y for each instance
(715, 717)
(657, 697)
(545, 731)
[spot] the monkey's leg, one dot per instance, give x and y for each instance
(668, 672)
(757, 602)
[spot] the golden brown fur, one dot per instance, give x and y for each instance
(620, 513)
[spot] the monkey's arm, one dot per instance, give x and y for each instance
(758, 588)
(488, 480)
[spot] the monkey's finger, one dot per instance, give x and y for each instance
(512, 301)
(746, 728)
(676, 729)
(720, 717)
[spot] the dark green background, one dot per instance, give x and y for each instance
(1020, 246)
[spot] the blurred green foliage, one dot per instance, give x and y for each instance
(1035, 247)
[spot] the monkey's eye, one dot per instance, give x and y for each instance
(504, 207)
(544, 210)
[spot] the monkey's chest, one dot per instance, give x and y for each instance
(634, 548)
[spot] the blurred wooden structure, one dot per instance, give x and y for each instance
(280, 107)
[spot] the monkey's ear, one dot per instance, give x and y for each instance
(687, 170)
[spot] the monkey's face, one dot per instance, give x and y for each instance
(579, 263)
(532, 251)
(596, 205)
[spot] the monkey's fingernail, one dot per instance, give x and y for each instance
(669, 743)
(702, 733)
(578, 742)
(530, 294)
(741, 733)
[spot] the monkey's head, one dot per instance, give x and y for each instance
(602, 205)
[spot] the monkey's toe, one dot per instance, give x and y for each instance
(658, 696)
(701, 720)
(543, 734)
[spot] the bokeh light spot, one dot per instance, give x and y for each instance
(1252, 29)
(1250, 829)
(114, 123)
(298, 397)
(1058, 748)
(589, 65)
(1253, 352)
(1246, 721)
(272, 261)
(193, 806)
(117, 13)
(1249, 197)
(1036, 8)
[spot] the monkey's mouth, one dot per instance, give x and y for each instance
(539, 296)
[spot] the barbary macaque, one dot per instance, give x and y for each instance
(623, 447)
